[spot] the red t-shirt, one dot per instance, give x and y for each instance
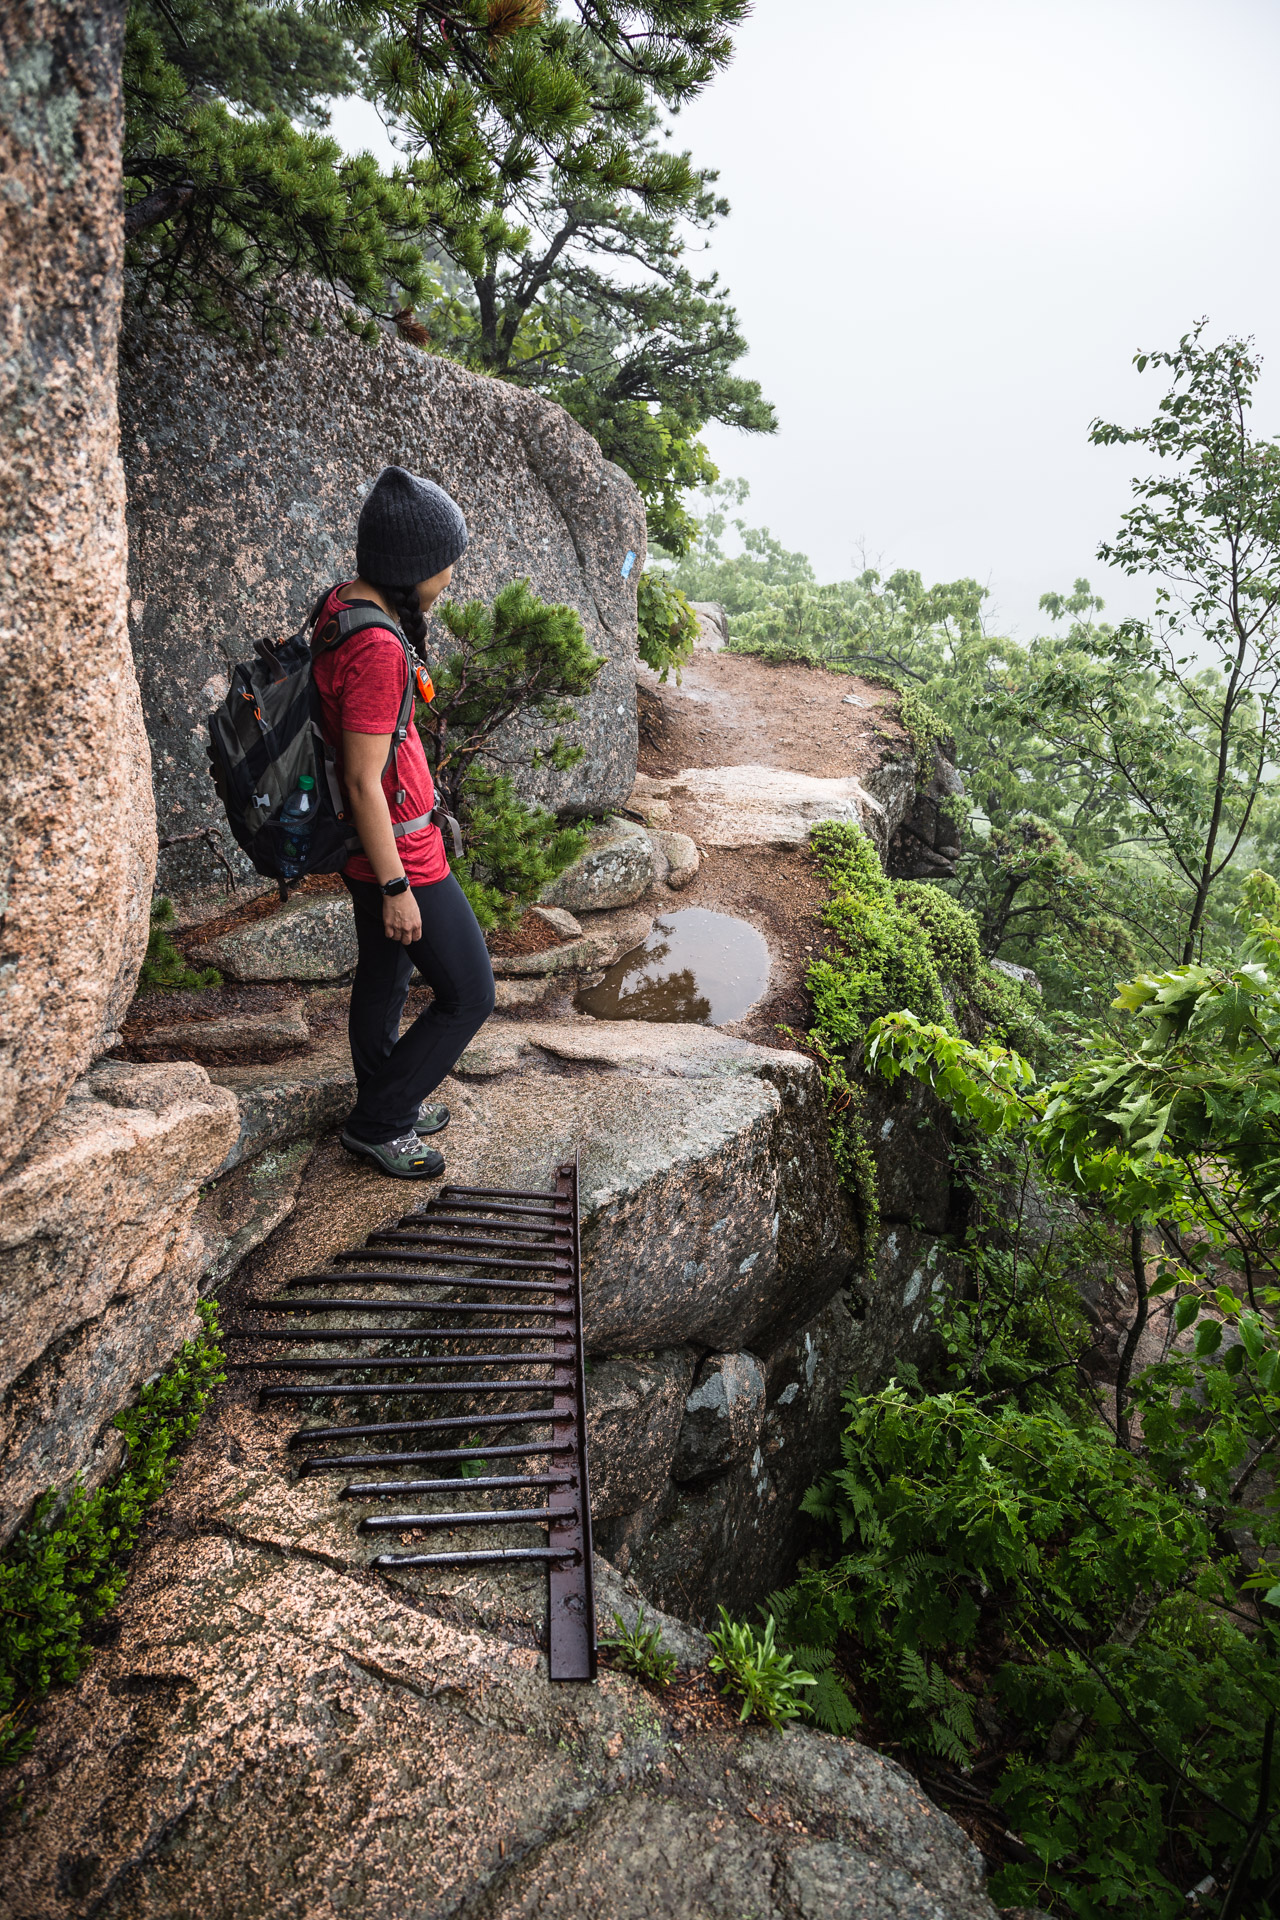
(361, 684)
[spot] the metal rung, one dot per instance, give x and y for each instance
(392, 1389)
(280, 1363)
(449, 1259)
(367, 1460)
(392, 1333)
(403, 1306)
(496, 1193)
(546, 1212)
(486, 1557)
(533, 1417)
(444, 1260)
(397, 1235)
(527, 1232)
(422, 1279)
(559, 1224)
(495, 1516)
(477, 1483)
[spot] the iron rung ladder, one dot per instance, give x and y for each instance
(498, 1230)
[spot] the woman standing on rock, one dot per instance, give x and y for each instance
(409, 909)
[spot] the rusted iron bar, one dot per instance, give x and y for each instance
(495, 1232)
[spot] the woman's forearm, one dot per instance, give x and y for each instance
(373, 824)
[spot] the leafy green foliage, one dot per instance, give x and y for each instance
(1108, 1597)
(503, 670)
(900, 944)
(163, 965)
(226, 198)
(1208, 529)
(668, 625)
(894, 944)
(639, 1650)
(512, 850)
(534, 162)
(752, 1665)
(67, 1566)
(1114, 777)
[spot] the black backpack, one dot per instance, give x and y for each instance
(266, 735)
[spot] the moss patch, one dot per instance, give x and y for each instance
(896, 945)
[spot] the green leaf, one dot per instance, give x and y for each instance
(1186, 1310)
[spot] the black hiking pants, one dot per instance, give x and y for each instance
(395, 1072)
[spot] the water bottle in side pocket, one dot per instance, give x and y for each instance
(297, 817)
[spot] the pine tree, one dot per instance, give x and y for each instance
(551, 299)
(227, 197)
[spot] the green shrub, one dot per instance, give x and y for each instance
(639, 1650)
(668, 625)
(164, 966)
(1096, 1602)
(753, 1666)
(67, 1566)
(512, 850)
(520, 661)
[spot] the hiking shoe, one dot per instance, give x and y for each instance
(405, 1158)
(431, 1120)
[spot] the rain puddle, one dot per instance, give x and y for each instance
(707, 968)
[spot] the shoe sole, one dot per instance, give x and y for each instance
(361, 1151)
(425, 1133)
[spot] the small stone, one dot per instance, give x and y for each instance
(681, 854)
(560, 922)
(617, 867)
(523, 996)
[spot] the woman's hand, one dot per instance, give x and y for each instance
(400, 918)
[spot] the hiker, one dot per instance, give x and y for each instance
(409, 909)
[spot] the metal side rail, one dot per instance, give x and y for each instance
(497, 1230)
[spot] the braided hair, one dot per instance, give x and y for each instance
(409, 612)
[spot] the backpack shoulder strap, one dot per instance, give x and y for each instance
(359, 618)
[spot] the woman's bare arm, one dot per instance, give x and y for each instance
(364, 755)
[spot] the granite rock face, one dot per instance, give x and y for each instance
(926, 843)
(722, 1416)
(245, 478)
(732, 1537)
(77, 837)
(98, 1265)
(618, 866)
(915, 1274)
(713, 624)
(237, 1036)
(634, 1412)
(910, 1133)
(313, 938)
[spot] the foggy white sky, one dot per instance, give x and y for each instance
(952, 226)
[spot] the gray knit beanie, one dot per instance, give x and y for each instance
(409, 530)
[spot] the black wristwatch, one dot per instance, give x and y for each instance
(394, 887)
